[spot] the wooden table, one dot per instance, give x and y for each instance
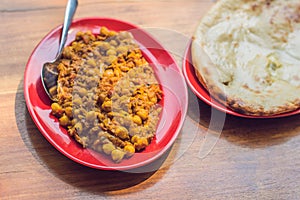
(252, 159)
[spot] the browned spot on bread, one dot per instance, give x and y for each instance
(295, 16)
(245, 86)
(205, 71)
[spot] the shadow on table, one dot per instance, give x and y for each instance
(252, 133)
(88, 179)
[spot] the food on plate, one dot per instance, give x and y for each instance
(246, 53)
(107, 94)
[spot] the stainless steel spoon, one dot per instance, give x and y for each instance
(49, 72)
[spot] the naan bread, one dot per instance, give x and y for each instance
(247, 55)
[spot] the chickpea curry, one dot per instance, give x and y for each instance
(107, 94)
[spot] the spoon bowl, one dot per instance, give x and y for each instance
(49, 73)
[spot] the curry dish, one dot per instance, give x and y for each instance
(107, 94)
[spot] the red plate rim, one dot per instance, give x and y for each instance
(200, 91)
(39, 110)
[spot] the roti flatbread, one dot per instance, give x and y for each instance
(247, 55)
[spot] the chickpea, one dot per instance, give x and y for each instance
(76, 112)
(102, 137)
(77, 101)
(141, 143)
(82, 92)
(83, 141)
(117, 155)
(135, 138)
(102, 97)
(113, 43)
(91, 116)
(56, 109)
(121, 132)
(104, 31)
(67, 104)
(67, 52)
(97, 43)
(110, 59)
(111, 52)
(129, 149)
(105, 46)
(124, 35)
(112, 33)
(106, 106)
(74, 121)
(92, 62)
(69, 112)
(137, 119)
(143, 114)
(64, 120)
(122, 49)
(78, 127)
(108, 148)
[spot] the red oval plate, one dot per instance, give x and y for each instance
(200, 91)
(174, 102)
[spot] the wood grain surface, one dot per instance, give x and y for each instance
(252, 159)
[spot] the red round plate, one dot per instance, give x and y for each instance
(200, 91)
(174, 102)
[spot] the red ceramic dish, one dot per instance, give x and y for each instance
(174, 102)
(200, 91)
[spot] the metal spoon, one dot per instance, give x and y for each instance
(49, 72)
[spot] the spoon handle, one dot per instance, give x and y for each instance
(69, 13)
